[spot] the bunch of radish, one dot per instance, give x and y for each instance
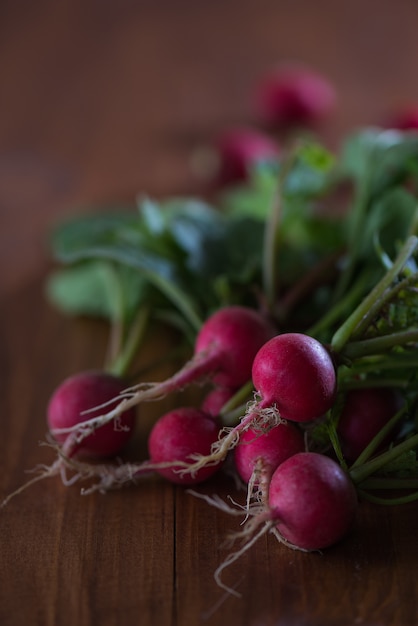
(266, 389)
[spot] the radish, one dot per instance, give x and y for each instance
(293, 95)
(174, 439)
(405, 119)
(364, 413)
(79, 393)
(295, 379)
(312, 501)
(295, 373)
(178, 435)
(238, 151)
(224, 351)
(215, 399)
(259, 453)
(65, 411)
(312, 504)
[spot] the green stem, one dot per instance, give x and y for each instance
(343, 334)
(270, 248)
(390, 483)
(378, 345)
(360, 473)
(271, 239)
(321, 273)
(121, 363)
(380, 382)
(115, 295)
(177, 297)
(374, 309)
(357, 216)
(380, 362)
(336, 311)
(379, 438)
(388, 501)
(236, 404)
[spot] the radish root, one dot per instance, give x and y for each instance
(258, 417)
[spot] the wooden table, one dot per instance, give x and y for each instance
(101, 100)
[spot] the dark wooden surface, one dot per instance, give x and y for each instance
(101, 100)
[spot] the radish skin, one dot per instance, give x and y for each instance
(296, 374)
(239, 150)
(175, 437)
(293, 95)
(259, 453)
(312, 500)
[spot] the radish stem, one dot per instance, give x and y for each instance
(345, 331)
(360, 473)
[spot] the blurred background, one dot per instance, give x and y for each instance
(103, 99)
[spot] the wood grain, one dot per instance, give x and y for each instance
(101, 101)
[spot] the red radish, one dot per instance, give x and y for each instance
(364, 413)
(312, 501)
(239, 150)
(229, 341)
(263, 451)
(296, 374)
(65, 412)
(295, 379)
(405, 119)
(173, 441)
(224, 351)
(79, 393)
(293, 95)
(215, 399)
(312, 504)
(176, 437)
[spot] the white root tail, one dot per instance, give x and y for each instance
(256, 417)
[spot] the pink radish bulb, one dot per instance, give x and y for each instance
(296, 374)
(266, 450)
(292, 95)
(404, 119)
(230, 339)
(175, 437)
(80, 393)
(216, 399)
(239, 150)
(312, 500)
(364, 413)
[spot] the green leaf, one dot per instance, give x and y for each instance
(389, 219)
(384, 157)
(82, 290)
(96, 288)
